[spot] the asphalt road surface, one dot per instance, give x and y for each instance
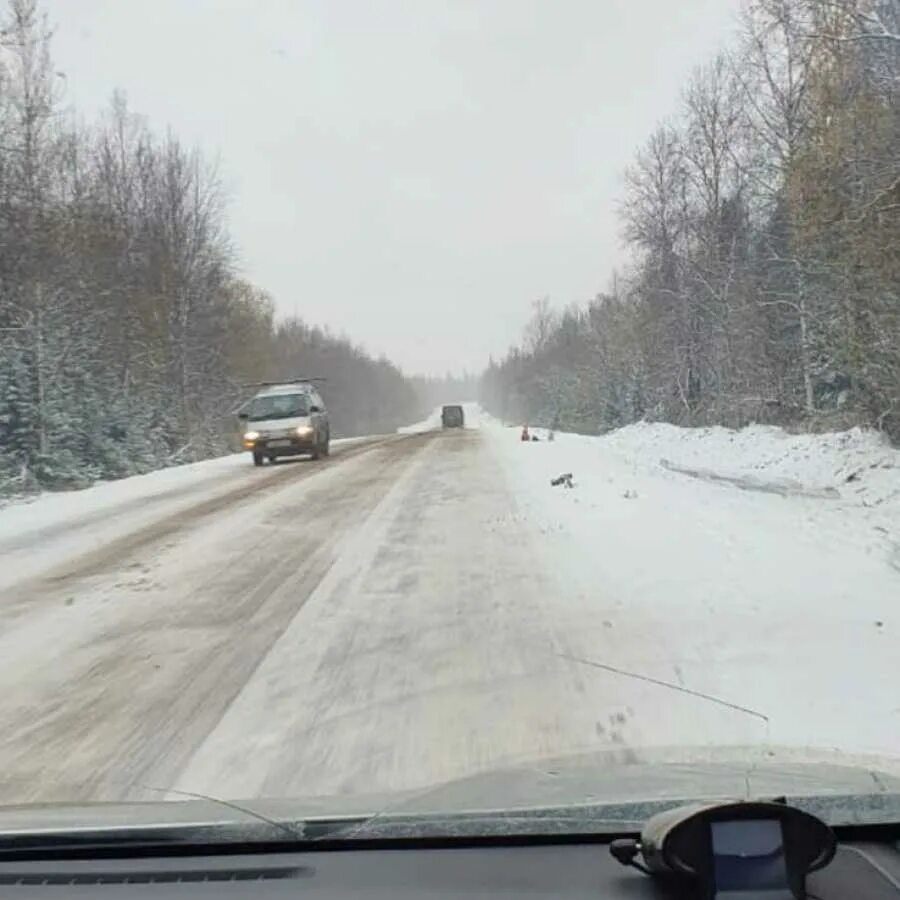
(344, 625)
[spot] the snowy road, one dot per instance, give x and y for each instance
(421, 607)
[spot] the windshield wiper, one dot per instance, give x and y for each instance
(541, 822)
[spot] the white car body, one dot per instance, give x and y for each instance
(272, 436)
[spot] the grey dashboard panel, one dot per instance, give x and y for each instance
(558, 871)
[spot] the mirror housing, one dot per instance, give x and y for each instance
(242, 414)
(315, 409)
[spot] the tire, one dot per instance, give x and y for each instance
(257, 459)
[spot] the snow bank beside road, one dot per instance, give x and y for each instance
(783, 609)
(850, 476)
(56, 508)
(858, 466)
(430, 424)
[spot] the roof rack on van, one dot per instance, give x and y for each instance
(287, 381)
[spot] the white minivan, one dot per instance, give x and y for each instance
(285, 420)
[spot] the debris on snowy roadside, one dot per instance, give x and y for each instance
(630, 495)
(701, 563)
(565, 480)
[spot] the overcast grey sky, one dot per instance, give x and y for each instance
(411, 172)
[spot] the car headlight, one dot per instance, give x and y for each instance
(251, 435)
(304, 430)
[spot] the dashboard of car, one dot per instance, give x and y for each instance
(861, 870)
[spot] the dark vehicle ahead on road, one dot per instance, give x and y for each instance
(452, 417)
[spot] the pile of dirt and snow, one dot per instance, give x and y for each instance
(857, 465)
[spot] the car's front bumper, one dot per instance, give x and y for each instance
(282, 446)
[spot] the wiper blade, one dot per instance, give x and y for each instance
(40, 844)
(169, 825)
(536, 822)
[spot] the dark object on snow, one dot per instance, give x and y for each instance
(453, 417)
(525, 435)
(564, 480)
(535, 438)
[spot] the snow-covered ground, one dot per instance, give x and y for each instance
(785, 605)
(856, 473)
(858, 466)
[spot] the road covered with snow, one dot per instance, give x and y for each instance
(426, 606)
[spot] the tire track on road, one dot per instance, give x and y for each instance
(121, 549)
(153, 673)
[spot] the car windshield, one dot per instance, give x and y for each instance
(277, 406)
(401, 397)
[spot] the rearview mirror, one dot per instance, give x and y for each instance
(314, 409)
(243, 415)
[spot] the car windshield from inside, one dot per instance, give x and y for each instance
(474, 389)
(277, 406)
